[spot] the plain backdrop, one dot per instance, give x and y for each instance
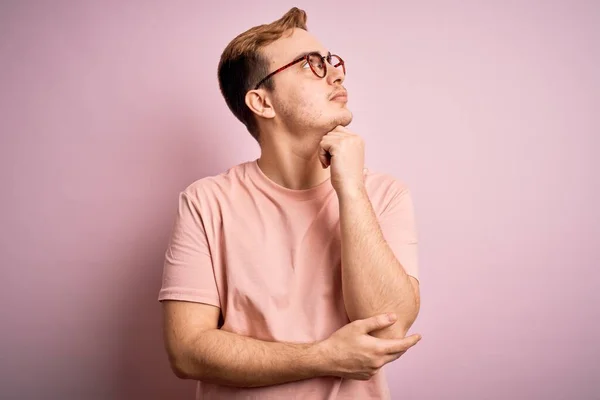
(487, 110)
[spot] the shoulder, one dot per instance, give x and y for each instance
(216, 188)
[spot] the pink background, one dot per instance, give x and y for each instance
(487, 110)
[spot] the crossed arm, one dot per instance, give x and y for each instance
(373, 280)
(198, 350)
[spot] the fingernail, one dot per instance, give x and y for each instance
(391, 317)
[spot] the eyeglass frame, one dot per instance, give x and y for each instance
(306, 57)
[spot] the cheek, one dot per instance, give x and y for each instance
(295, 101)
(310, 100)
(300, 101)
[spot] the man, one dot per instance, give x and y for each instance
(280, 271)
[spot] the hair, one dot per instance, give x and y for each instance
(242, 65)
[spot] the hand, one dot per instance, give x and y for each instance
(345, 152)
(350, 352)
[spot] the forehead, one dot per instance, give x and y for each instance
(288, 47)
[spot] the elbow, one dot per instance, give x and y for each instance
(182, 367)
(399, 329)
(395, 331)
(180, 372)
(184, 357)
(178, 367)
(404, 325)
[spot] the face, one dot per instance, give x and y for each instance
(302, 102)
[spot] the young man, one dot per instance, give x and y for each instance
(280, 271)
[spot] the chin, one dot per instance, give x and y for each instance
(343, 118)
(327, 122)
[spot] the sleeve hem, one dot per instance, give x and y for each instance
(189, 295)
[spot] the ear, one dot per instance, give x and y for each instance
(260, 103)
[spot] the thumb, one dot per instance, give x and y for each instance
(378, 322)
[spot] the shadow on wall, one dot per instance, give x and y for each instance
(142, 370)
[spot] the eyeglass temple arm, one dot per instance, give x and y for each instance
(279, 70)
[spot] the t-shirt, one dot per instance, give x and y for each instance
(270, 258)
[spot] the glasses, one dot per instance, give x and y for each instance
(316, 62)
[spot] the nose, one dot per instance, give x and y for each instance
(335, 75)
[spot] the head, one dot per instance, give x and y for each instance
(293, 101)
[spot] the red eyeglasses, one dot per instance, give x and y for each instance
(316, 62)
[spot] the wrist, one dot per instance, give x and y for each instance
(352, 191)
(320, 360)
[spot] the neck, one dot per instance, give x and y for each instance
(291, 164)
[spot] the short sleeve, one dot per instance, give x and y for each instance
(398, 226)
(188, 273)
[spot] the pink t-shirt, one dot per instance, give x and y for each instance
(270, 258)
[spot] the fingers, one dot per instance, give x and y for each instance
(394, 349)
(377, 322)
(401, 345)
(393, 357)
(340, 129)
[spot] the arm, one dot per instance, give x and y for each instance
(373, 280)
(198, 350)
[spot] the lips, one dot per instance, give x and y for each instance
(339, 94)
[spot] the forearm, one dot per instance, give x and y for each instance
(229, 359)
(373, 281)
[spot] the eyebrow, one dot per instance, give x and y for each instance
(309, 52)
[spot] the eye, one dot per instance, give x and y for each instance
(316, 61)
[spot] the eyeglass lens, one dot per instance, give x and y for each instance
(318, 67)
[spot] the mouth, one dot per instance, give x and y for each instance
(341, 96)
